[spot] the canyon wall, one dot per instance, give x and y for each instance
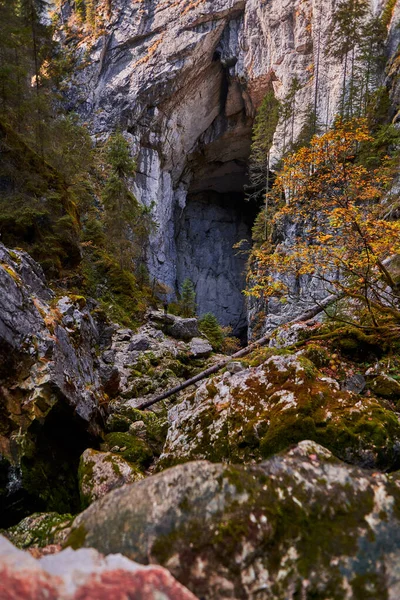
(183, 80)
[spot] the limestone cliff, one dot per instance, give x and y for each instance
(184, 79)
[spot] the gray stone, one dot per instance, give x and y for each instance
(177, 327)
(299, 521)
(235, 367)
(123, 335)
(355, 383)
(183, 329)
(110, 378)
(101, 472)
(138, 428)
(140, 343)
(108, 356)
(259, 411)
(200, 348)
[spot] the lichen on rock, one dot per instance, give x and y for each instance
(302, 522)
(101, 472)
(262, 410)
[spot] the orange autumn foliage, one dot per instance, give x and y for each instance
(342, 239)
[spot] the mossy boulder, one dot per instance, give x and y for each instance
(260, 411)
(131, 448)
(386, 386)
(40, 530)
(317, 354)
(101, 472)
(300, 525)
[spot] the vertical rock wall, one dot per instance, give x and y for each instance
(184, 79)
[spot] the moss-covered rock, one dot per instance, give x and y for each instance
(300, 525)
(260, 411)
(385, 386)
(40, 530)
(101, 472)
(131, 448)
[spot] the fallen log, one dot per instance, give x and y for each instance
(306, 316)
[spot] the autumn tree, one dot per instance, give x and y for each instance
(341, 236)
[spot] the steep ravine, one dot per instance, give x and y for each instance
(278, 477)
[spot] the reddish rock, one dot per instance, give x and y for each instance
(82, 575)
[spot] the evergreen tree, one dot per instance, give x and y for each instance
(187, 301)
(265, 125)
(210, 327)
(344, 36)
(372, 58)
(263, 133)
(122, 210)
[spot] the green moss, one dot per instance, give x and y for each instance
(273, 516)
(77, 538)
(369, 587)
(118, 422)
(317, 354)
(85, 478)
(282, 435)
(38, 530)
(309, 367)
(136, 450)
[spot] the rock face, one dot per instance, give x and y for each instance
(183, 81)
(262, 410)
(84, 574)
(302, 524)
(210, 226)
(50, 390)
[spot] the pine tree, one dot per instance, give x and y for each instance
(344, 36)
(122, 210)
(264, 129)
(263, 133)
(372, 58)
(210, 327)
(187, 301)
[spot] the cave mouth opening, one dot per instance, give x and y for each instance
(216, 217)
(47, 478)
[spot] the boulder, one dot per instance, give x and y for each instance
(101, 472)
(356, 383)
(177, 327)
(262, 410)
(71, 575)
(300, 525)
(386, 386)
(235, 367)
(200, 348)
(51, 394)
(40, 530)
(140, 343)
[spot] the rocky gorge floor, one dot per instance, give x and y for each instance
(276, 478)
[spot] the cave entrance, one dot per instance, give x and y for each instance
(47, 478)
(216, 217)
